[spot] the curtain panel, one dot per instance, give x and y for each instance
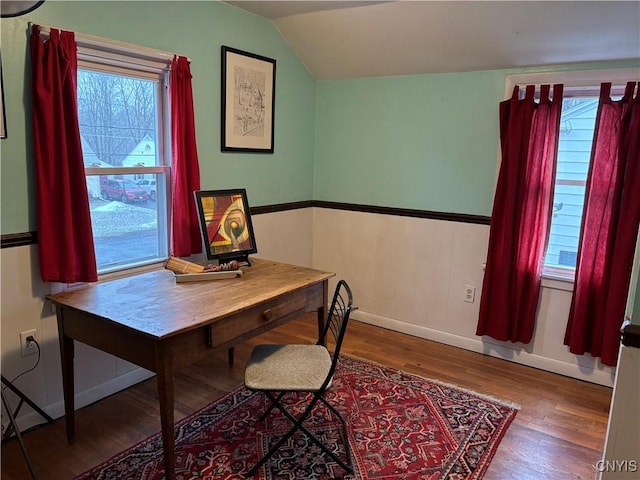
(610, 222)
(185, 228)
(521, 214)
(65, 245)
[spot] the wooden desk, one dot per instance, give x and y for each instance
(161, 325)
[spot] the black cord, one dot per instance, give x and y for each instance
(30, 369)
(4, 387)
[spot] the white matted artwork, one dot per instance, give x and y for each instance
(248, 101)
(3, 125)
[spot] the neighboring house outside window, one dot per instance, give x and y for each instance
(577, 123)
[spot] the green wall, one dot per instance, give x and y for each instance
(425, 141)
(197, 30)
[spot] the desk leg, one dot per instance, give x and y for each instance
(323, 310)
(66, 359)
(164, 373)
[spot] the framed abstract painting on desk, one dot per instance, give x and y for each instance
(248, 101)
(225, 224)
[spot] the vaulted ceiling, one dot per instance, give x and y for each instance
(355, 39)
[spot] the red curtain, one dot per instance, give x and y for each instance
(521, 214)
(185, 229)
(609, 229)
(65, 237)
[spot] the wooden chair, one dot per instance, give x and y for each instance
(277, 370)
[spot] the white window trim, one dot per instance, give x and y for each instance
(557, 283)
(573, 80)
(117, 50)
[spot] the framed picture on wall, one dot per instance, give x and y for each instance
(248, 101)
(3, 124)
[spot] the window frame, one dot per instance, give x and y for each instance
(583, 82)
(119, 58)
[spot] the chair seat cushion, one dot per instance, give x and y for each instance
(287, 368)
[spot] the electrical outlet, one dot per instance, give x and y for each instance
(27, 347)
(469, 293)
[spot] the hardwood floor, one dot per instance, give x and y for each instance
(558, 434)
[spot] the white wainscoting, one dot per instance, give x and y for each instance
(410, 275)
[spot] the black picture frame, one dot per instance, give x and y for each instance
(3, 118)
(248, 102)
(225, 224)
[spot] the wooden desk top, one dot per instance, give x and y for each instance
(154, 304)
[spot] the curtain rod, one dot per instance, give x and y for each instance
(103, 43)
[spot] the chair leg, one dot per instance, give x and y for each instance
(297, 425)
(345, 434)
(271, 451)
(230, 355)
(271, 407)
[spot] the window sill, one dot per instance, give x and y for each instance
(558, 279)
(127, 272)
(555, 278)
(57, 287)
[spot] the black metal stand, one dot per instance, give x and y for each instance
(242, 259)
(13, 427)
(12, 420)
(23, 399)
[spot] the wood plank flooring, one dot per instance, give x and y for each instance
(558, 434)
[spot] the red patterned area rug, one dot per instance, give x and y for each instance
(401, 427)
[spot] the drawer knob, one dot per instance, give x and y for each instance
(267, 315)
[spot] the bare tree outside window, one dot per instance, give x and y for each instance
(115, 113)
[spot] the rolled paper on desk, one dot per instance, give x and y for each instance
(179, 265)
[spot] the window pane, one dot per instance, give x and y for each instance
(127, 228)
(119, 118)
(574, 154)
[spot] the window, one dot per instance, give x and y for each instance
(577, 123)
(122, 105)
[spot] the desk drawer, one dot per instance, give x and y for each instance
(265, 316)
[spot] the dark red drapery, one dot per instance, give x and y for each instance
(521, 214)
(65, 238)
(609, 229)
(185, 229)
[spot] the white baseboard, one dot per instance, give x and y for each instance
(496, 350)
(29, 418)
